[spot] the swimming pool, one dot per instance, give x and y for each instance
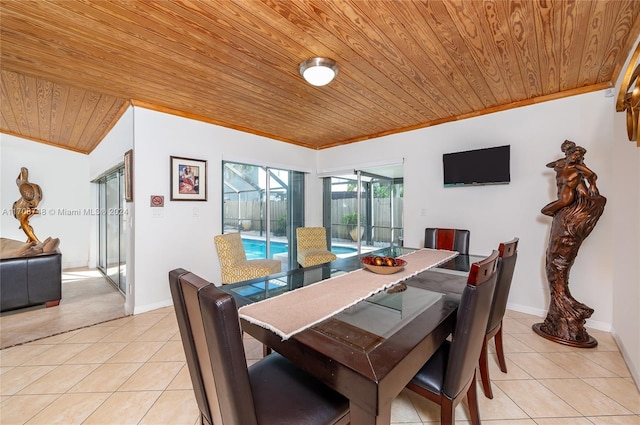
(255, 248)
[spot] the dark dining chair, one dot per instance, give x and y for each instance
(450, 373)
(451, 239)
(508, 253)
(272, 391)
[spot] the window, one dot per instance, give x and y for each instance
(264, 204)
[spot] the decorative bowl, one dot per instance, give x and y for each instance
(369, 263)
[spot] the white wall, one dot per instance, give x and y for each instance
(63, 176)
(181, 234)
(626, 248)
(499, 212)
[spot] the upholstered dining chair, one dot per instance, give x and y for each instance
(508, 253)
(272, 391)
(450, 372)
(451, 239)
(234, 266)
(312, 246)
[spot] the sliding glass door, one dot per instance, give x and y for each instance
(263, 204)
(112, 228)
(365, 210)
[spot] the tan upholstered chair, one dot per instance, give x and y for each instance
(234, 265)
(312, 246)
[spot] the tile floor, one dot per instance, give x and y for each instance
(132, 371)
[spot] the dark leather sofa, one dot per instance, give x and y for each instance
(30, 280)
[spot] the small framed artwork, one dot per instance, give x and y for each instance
(188, 179)
(128, 176)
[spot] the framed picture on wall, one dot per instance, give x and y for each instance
(188, 179)
(128, 176)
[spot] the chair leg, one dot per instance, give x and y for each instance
(500, 350)
(447, 411)
(472, 399)
(484, 370)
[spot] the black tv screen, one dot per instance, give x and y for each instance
(477, 167)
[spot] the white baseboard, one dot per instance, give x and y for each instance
(593, 324)
(151, 307)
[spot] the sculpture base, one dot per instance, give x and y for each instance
(591, 343)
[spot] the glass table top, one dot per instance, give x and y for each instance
(365, 325)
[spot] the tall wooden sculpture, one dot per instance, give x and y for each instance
(25, 207)
(575, 214)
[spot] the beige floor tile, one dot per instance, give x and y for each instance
(530, 321)
(123, 408)
(182, 381)
(107, 377)
(152, 376)
(540, 344)
(621, 390)
(615, 420)
(57, 354)
(171, 351)
(17, 410)
(57, 338)
(173, 408)
(538, 366)
(98, 352)
(91, 334)
(606, 342)
(584, 398)
(59, 380)
(20, 377)
(562, 421)
(513, 370)
(125, 334)
(21, 354)
(136, 351)
(610, 360)
(164, 330)
(511, 344)
(509, 422)
(536, 400)
(513, 326)
(69, 409)
(579, 365)
(402, 409)
(499, 407)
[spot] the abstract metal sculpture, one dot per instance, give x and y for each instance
(25, 207)
(575, 214)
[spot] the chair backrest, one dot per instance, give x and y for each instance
(311, 238)
(230, 249)
(212, 341)
(451, 239)
(508, 254)
(471, 323)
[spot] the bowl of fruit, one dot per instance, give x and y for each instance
(383, 265)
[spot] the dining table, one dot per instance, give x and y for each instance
(369, 349)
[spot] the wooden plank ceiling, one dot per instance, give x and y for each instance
(69, 68)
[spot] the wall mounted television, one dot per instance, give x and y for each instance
(477, 167)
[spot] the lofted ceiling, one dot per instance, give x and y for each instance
(69, 69)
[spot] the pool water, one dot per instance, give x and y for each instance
(256, 249)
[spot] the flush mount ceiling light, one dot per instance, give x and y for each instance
(319, 71)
